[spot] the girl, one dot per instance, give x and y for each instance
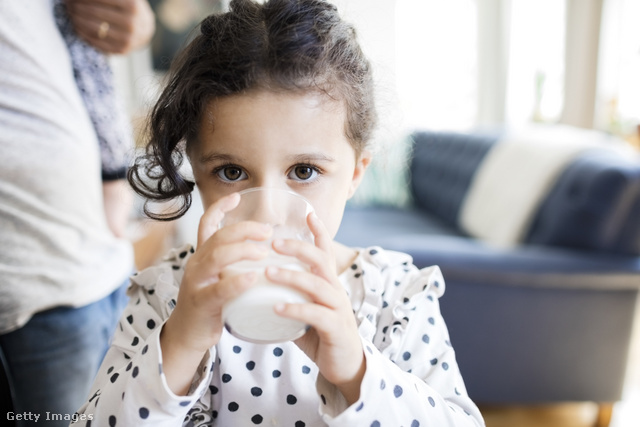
(274, 95)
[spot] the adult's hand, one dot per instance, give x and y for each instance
(113, 26)
(118, 203)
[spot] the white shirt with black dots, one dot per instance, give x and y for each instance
(411, 379)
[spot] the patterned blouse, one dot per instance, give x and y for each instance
(411, 379)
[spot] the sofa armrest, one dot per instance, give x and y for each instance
(464, 260)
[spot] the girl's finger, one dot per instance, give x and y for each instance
(321, 318)
(213, 215)
(230, 287)
(320, 234)
(221, 257)
(245, 230)
(316, 288)
(323, 241)
(320, 262)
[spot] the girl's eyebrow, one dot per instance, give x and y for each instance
(311, 157)
(216, 157)
(296, 158)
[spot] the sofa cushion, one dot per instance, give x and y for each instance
(595, 205)
(515, 177)
(442, 166)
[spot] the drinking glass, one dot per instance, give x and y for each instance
(251, 316)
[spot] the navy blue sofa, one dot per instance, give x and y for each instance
(549, 320)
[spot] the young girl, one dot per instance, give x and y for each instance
(275, 95)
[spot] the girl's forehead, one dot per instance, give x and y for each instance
(278, 99)
(275, 118)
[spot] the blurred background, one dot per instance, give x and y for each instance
(460, 64)
(454, 65)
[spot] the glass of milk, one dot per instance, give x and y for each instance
(251, 315)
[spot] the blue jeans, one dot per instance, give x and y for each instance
(53, 359)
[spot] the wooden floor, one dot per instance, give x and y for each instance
(625, 413)
(565, 415)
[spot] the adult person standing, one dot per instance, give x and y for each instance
(64, 261)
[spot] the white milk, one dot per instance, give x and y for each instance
(251, 317)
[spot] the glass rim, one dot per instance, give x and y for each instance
(279, 190)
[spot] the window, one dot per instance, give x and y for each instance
(618, 96)
(455, 57)
(436, 63)
(535, 85)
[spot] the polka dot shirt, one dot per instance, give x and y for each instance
(411, 377)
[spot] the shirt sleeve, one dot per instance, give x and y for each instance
(95, 81)
(411, 378)
(130, 387)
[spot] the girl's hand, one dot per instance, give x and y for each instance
(333, 342)
(195, 325)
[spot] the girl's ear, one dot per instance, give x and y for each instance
(362, 163)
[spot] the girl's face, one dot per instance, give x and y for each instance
(279, 140)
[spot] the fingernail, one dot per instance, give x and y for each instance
(279, 307)
(278, 243)
(272, 271)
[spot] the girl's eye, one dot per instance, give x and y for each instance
(303, 173)
(230, 173)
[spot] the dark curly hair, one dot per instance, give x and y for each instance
(290, 45)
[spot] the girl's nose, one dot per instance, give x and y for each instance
(274, 206)
(265, 206)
